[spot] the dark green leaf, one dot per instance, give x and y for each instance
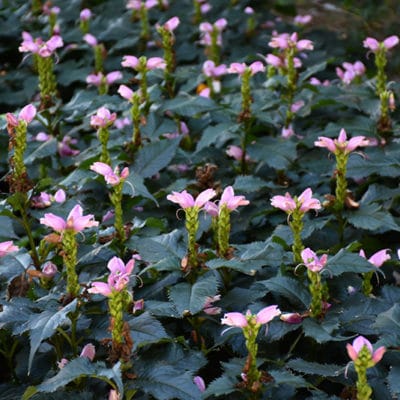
(313, 368)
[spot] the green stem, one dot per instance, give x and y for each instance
(296, 226)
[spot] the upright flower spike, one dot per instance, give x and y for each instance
(67, 229)
(341, 148)
(17, 130)
(314, 266)
(84, 20)
(250, 325)
(42, 52)
(296, 207)
(101, 121)
(116, 180)
(115, 289)
(377, 259)
(99, 52)
(221, 217)
(380, 50)
(363, 357)
(211, 38)
(192, 208)
(103, 82)
(166, 32)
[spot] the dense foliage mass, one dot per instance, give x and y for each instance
(199, 200)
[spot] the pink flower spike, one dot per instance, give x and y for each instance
(184, 199)
(358, 344)
(125, 92)
(308, 202)
(234, 319)
(90, 39)
(237, 68)
(326, 142)
(78, 222)
(285, 203)
(27, 114)
(7, 247)
(311, 260)
(371, 43)
(172, 24)
(391, 41)
(203, 197)
(100, 288)
(156, 63)
(267, 314)
(377, 259)
(221, 24)
(231, 201)
(53, 221)
(85, 14)
(130, 61)
(103, 118)
(88, 351)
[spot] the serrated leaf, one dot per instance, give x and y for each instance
(248, 267)
(221, 386)
(389, 321)
(164, 383)
(285, 377)
(217, 134)
(134, 186)
(313, 368)
(248, 183)
(188, 106)
(289, 288)
(359, 167)
(46, 149)
(77, 368)
(146, 329)
(345, 261)
(6, 228)
(42, 326)
(155, 156)
(322, 332)
(192, 298)
(372, 217)
(310, 71)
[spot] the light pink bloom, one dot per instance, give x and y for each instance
(213, 71)
(296, 106)
(60, 196)
(316, 82)
(302, 19)
(274, 60)
(371, 43)
(90, 39)
(304, 44)
(285, 203)
(249, 11)
(391, 41)
(85, 14)
(311, 260)
(113, 76)
(103, 118)
(240, 68)
(186, 200)
(172, 24)
(75, 221)
(377, 258)
(267, 314)
(49, 269)
(112, 177)
(199, 382)
(125, 92)
(38, 46)
(88, 351)
(138, 305)
(341, 144)
(42, 201)
(221, 24)
(231, 201)
(156, 63)
(26, 115)
(206, 92)
(236, 152)
(7, 247)
(358, 344)
(122, 122)
(209, 307)
(287, 132)
(211, 209)
(130, 61)
(235, 319)
(114, 395)
(62, 363)
(374, 45)
(42, 137)
(307, 202)
(304, 202)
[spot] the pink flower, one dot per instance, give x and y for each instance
(213, 71)
(249, 10)
(341, 144)
(304, 202)
(209, 308)
(231, 201)
(156, 63)
(291, 318)
(371, 43)
(122, 122)
(211, 209)
(287, 132)
(296, 106)
(49, 269)
(99, 78)
(199, 382)
(390, 42)
(274, 60)
(125, 92)
(302, 19)
(114, 395)
(186, 200)
(90, 39)
(235, 319)
(103, 118)
(267, 314)
(113, 76)
(130, 62)
(240, 68)
(138, 305)
(387, 44)
(75, 221)
(377, 258)
(88, 351)
(358, 344)
(64, 148)
(59, 196)
(7, 247)
(311, 260)
(85, 14)
(38, 46)
(62, 363)
(172, 24)
(113, 178)
(26, 115)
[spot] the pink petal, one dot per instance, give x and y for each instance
(203, 197)
(100, 288)
(234, 319)
(267, 314)
(53, 221)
